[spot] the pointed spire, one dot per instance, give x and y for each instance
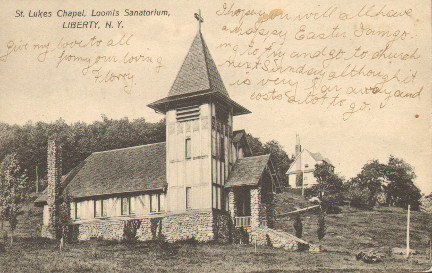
(198, 77)
(198, 72)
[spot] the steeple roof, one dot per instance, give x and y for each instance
(197, 77)
(198, 72)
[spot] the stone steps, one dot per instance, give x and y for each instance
(277, 238)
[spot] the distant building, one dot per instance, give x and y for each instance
(301, 171)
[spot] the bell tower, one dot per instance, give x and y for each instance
(199, 117)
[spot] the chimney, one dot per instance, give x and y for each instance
(54, 165)
(297, 152)
(298, 146)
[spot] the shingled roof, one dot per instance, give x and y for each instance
(248, 171)
(198, 71)
(132, 169)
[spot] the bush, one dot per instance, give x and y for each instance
(130, 229)
(330, 204)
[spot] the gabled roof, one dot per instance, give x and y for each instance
(247, 171)
(239, 138)
(198, 77)
(316, 156)
(237, 135)
(132, 169)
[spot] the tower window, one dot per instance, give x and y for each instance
(188, 147)
(222, 148)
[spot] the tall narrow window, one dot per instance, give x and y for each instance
(188, 147)
(161, 202)
(104, 207)
(154, 203)
(97, 208)
(188, 197)
(125, 205)
(76, 210)
(131, 206)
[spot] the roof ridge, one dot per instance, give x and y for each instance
(131, 147)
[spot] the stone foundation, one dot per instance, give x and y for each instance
(108, 230)
(202, 226)
(198, 226)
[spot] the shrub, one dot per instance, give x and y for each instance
(130, 229)
(321, 226)
(298, 226)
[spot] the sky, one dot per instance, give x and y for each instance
(50, 71)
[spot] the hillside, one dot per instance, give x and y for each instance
(347, 233)
(353, 229)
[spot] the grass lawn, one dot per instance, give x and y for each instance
(347, 233)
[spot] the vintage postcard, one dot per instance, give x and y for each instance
(219, 136)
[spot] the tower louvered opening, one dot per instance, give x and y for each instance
(188, 113)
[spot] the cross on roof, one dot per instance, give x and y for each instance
(199, 18)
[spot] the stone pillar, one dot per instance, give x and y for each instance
(232, 204)
(54, 166)
(255, 199)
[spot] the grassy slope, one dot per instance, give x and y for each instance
(347, 233)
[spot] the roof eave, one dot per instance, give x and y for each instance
(237, 108)
(161, 105)
(43, 202)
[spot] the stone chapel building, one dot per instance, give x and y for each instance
(202, 183)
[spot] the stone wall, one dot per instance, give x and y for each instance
(46, 232)
(232, 206)
(202, 226)
(256, 213)
(108, 230)
(177, 227)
